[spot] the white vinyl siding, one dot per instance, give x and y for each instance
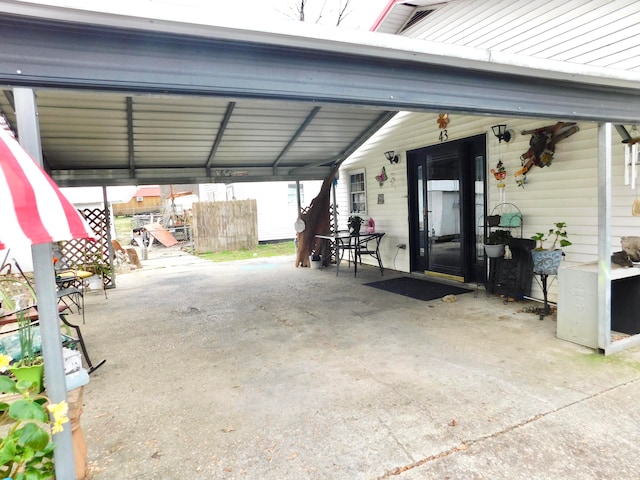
(567, 190)
(589, 32)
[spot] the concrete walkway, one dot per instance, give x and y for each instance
(260, 370)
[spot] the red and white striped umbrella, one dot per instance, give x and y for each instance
(33, 210)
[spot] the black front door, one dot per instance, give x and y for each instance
(446, 205)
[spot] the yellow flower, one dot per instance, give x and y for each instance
(59, 412)
(5, 360)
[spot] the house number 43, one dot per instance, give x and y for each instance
(443, 136)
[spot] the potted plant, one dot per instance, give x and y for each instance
(26, 446)
(354, 223)
(497, 239)
(29, 367)
(547, 260)
(100, 270)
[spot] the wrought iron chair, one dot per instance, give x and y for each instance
(69, 284)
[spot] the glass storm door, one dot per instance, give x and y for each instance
(446, 200)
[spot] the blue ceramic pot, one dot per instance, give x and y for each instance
(546, 262)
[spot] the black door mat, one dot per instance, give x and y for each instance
(418, 288)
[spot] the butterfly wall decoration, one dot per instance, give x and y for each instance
(382, 177)
(443, 121)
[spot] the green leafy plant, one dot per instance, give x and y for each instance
(98, 267)
(26, 450)
(498, 237)
(26, 337)
(558, 234)
(26, 334)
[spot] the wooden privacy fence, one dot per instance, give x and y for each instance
(222, 226)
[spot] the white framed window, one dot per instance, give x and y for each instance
(357, 192)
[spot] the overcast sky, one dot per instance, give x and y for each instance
(362, 13)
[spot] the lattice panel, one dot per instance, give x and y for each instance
(83, 253)
(332, 226)
(333, 229)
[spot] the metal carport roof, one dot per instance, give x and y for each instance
(95, 137)
(132, 100)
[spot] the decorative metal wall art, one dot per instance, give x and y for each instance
(542, 147)
(382, 177)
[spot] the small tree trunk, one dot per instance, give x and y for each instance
(317, 219)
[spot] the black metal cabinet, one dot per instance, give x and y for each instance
(512, 277)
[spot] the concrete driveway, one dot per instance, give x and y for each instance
(260, 370)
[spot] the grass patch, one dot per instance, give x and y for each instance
(123, 226)
(261, 251)
(617, 359)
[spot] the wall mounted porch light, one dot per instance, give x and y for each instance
(391, 156)
(501, 133)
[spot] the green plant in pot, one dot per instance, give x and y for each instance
(26, 446)
(496, 240)
(355, 222)
(100, 269)
(29, 367)
(558, 234)
(547, 260)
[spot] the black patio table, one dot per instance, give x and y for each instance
(358, 243)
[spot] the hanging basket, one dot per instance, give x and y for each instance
(546, 262)
(494, 251)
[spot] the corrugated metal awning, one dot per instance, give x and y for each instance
(93, 138)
